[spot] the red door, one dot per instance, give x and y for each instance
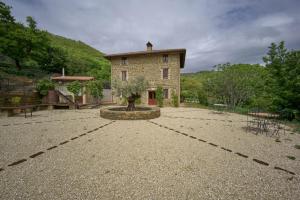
(151, 98)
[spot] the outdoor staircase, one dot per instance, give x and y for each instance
(68, 102)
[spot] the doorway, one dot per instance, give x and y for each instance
(151, 98)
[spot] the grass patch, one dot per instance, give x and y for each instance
(291, 157)
(297, 146)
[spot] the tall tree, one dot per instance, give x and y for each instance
(5, 14)
(53, 59)
(31, 23)
(284, 81)
(18, 42)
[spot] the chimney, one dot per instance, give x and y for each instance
(63, 71)
(149, 46)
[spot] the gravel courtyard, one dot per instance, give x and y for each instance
(187, 153)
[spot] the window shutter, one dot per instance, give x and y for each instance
(166, 73)
(166, 93)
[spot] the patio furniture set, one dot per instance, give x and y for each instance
(261, 122)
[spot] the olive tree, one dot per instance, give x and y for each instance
(131, 90)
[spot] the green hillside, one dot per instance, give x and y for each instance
(29, 53)
(82, 59)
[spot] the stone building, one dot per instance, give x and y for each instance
(159, 67)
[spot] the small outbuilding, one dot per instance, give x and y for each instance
(64, 94)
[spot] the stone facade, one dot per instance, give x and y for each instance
(150, 64)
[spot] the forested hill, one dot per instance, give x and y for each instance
(26, 50)
(82, 59)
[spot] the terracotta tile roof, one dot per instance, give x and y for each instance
(182, 53)
(72, 78)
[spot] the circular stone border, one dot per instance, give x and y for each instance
(109, 113)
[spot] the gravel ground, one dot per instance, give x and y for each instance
(105, 159)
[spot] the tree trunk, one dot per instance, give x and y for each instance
(18, 64)
(131, 104)
(131, 101)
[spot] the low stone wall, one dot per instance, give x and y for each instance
(109, 113)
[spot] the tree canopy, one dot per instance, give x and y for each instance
(273, 87)
(37, 50)
(21, 43)
(284, 81)
(131, 90)
(95, 88)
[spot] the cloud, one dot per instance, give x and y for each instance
(275, 20)
(212, 31)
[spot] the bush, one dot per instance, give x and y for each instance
(287, 114)
(43, 86)
(74, 87)
(159, 96)
(15, 100)
(202, 97)
(138, 101)
(174, 97)
(183, 95)
(123, 101)
(95, 88)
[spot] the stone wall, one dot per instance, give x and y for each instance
(150, 66)
(109, 113)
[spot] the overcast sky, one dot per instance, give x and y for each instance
(212, 31)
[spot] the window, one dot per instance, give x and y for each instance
(124, 75)
(165, 58)
(165, 73)
(124, 61)
(166, 93)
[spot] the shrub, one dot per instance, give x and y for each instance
(183, 95)
(287, 114)
(15, 100)
(95, 88)
(159, 96)
(74, 87)
(174, 97)
(123, 101)
(138, 101)
(43, 86)
(202, 97)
